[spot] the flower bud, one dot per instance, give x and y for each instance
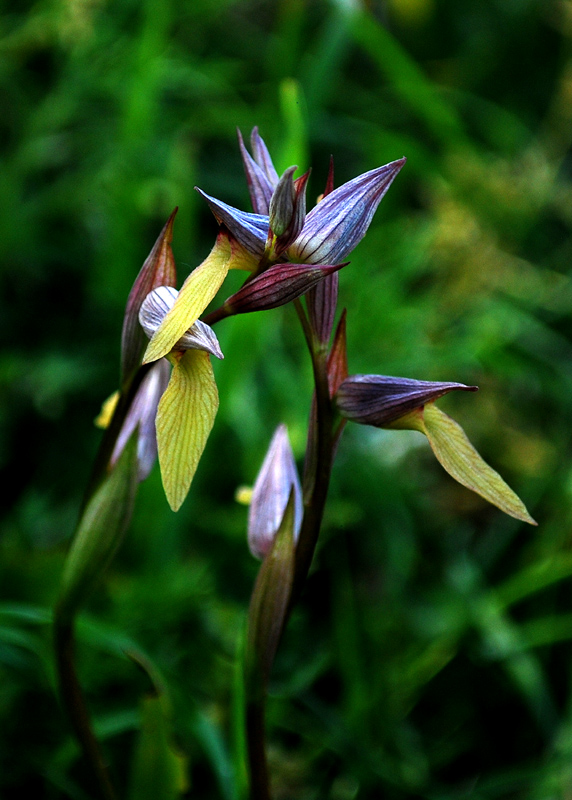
(287, 210)
(277, 478)
(154, 309)
(277, 286)
(380, 400)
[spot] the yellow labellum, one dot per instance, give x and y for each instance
(107, 410)
(185, 418)
(195, 295)
(458, 456)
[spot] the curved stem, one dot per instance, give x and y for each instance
(74, 703)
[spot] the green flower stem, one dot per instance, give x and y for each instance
(256, 739)
(74, 704)
(215, 316)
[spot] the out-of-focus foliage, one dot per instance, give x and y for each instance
(431, 653)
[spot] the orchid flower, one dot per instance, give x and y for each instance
(330, 231)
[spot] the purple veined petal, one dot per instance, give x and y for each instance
(158, 269)
(379, 400)
(322, 300)
(259, 185)
(340, 221)
(251, 230)
(277, 476)
(200, 336)
(142, 413)
(262, 156)
(278, 285)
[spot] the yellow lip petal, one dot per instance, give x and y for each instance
(185, 418)
(458, 456)
(195, 295)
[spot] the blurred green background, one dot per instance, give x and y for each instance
(431, 655)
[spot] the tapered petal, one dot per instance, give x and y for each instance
(251, 230)
(262, 156)
(153, 311)
(380, 400)
(158, 270)
(338, 358)
(340, 221)
(259, 185)
(459, 458)
(195, 295)
(277, 478)
(184, 421)
(277, 286)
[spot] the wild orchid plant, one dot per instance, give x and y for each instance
(167, 403)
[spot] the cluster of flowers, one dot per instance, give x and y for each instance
(288, 253)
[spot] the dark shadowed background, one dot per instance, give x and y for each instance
(431, 654)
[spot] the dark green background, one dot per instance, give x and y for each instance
(430, 656)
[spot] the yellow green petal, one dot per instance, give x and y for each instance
(195, 295)
(458, 456)
(185, 418)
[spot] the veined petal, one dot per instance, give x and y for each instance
(156, 306)
(459, 458)
(277, 286)
(259, 185)
(262, 156)
(184, 421)
(340, 221)
(158, 270)
(251, 230)
(380, 400)
(195, 295)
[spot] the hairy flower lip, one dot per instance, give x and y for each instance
(154, 309)
(379, 400)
